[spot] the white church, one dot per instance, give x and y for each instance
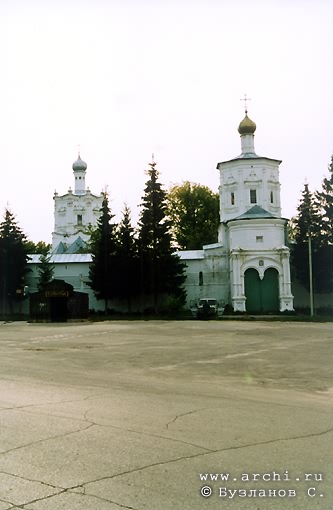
(248, 269)
(75, 213)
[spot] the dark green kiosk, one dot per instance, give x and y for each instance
(58, 302)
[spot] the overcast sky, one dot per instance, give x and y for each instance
(128, 78)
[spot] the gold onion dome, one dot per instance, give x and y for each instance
(247, 126)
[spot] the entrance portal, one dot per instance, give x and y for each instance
(58, 309)
(262, 296)
(58, 303)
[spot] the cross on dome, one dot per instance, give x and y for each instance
(245, 99)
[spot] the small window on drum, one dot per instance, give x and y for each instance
(201, 278)
(232, 198)
(79, 219)
(272, 197)
(253, 196)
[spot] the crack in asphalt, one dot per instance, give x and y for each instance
(186, 414)
(148, 434)
(85, 419)
(107, 500)
(53, 402)
(14, 475)
(65, 491)
(142, 468)
(47, 439)
(202, 454)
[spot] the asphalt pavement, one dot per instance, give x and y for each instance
(166, 415)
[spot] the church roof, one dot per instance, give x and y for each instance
(61, 248)
(76, 246)
(191, 254)
(249, 155)
(255, 212)
(63, 258)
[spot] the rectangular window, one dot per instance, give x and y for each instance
(253, 196)
(259, 239)
(272, 197)
(79, 219)
(232, 198)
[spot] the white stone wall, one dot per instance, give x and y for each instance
(74, 273)
(207, 275)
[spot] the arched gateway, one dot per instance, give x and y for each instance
(262, 295)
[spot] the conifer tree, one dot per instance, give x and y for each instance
(324, 199)
(45, 271)
(162, 272)
(103, 271)
(128, 261)
(13, 261)
(307, 224)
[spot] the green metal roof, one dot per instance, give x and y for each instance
(255, 212)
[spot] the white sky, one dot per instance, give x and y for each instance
(128, 78)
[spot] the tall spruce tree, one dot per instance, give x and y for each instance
(128, 260)
(103, 271)
(162, 272)
(324, 199)
(307, 224)
(13, 262)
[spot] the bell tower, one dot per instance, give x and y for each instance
(252, 230)
(75, 213)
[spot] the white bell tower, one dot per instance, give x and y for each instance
(75, 213)
(252, 230)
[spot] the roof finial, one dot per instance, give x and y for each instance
(152, 158)
(245, 99)
(78, 149)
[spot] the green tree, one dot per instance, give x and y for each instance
(13, 261)
(38, 248)
(324, 199)
(307, 223)
(162, 272)
(194, 213)
(45, 271)
(103, 271)
(128, 260)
